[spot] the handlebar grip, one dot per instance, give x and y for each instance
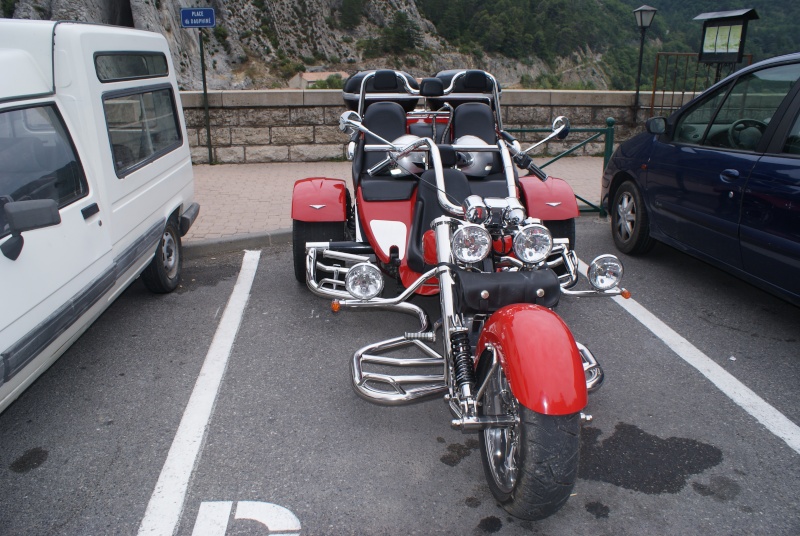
(507, 137)
(523, 161)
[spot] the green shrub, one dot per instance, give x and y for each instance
(334, 81)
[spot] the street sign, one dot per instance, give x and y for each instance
(201, 17)
(198, 17)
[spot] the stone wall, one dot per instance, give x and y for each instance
(302, 126)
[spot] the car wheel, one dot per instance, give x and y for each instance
(164, 271)
(630, 225)
(304, 231)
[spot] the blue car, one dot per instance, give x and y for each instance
(719, 179)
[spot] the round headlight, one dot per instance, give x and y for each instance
(533, 243)
(364, 281)
(471, 243)
(605, 272)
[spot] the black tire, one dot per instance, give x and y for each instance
(531, 469)
(630, 223)
(305, 231)
(562, 229)
(164, 271)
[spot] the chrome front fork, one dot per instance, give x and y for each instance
(461, 398)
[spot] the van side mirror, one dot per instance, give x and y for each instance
(656, 125)
(26, 216)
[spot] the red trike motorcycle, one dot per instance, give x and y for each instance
(439, 206)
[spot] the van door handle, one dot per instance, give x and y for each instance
(729, 175)
(90, 211)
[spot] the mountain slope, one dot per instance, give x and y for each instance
(534, 43)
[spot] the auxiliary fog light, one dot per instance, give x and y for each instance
(605, 272)
(364, 281)
(533, 243)
(471, 243)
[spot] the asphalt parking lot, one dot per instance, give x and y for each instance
(694, 430)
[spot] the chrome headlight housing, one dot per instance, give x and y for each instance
(364, 281)
(475, 210)
(514, 214)
(471, 243)
(605, 272)
(533, 243)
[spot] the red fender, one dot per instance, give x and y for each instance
(539, 198)
(539, 357)
(319, 199)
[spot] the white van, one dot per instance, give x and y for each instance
(96, 182)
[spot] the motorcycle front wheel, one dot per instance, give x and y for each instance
(531, 468)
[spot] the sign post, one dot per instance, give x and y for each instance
(203, 17)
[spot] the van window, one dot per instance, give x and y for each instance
(37, 159)
(142, 126)
(113, 67)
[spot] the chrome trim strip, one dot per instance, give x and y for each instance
(146, 243)
(30, 345)
(22, 352)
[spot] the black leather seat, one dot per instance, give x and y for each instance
(427, 209)
(387, 120)
(474, 119)
(477, 119)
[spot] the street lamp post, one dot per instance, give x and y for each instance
(644, 18)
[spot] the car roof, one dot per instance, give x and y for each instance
(785, 58)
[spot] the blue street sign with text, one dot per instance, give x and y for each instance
(198, 17)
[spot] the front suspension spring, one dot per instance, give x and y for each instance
(462, 359)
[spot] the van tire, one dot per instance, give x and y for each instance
(164, 271)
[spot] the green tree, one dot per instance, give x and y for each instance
(350, 13)
(7, 8)
(401, 35)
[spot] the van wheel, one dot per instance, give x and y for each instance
(164, 271)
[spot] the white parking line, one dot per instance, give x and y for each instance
(775, 421)
(166, 504)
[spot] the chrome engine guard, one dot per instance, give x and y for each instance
(399, 389)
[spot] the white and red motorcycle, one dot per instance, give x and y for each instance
(440, 207)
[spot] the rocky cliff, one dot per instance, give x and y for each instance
(261, 43)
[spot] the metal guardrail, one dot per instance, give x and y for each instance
(679, 76)
(608, 132)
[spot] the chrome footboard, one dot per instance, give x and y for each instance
(387, 388)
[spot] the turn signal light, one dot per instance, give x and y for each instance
(625, 293)
(336, 306)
